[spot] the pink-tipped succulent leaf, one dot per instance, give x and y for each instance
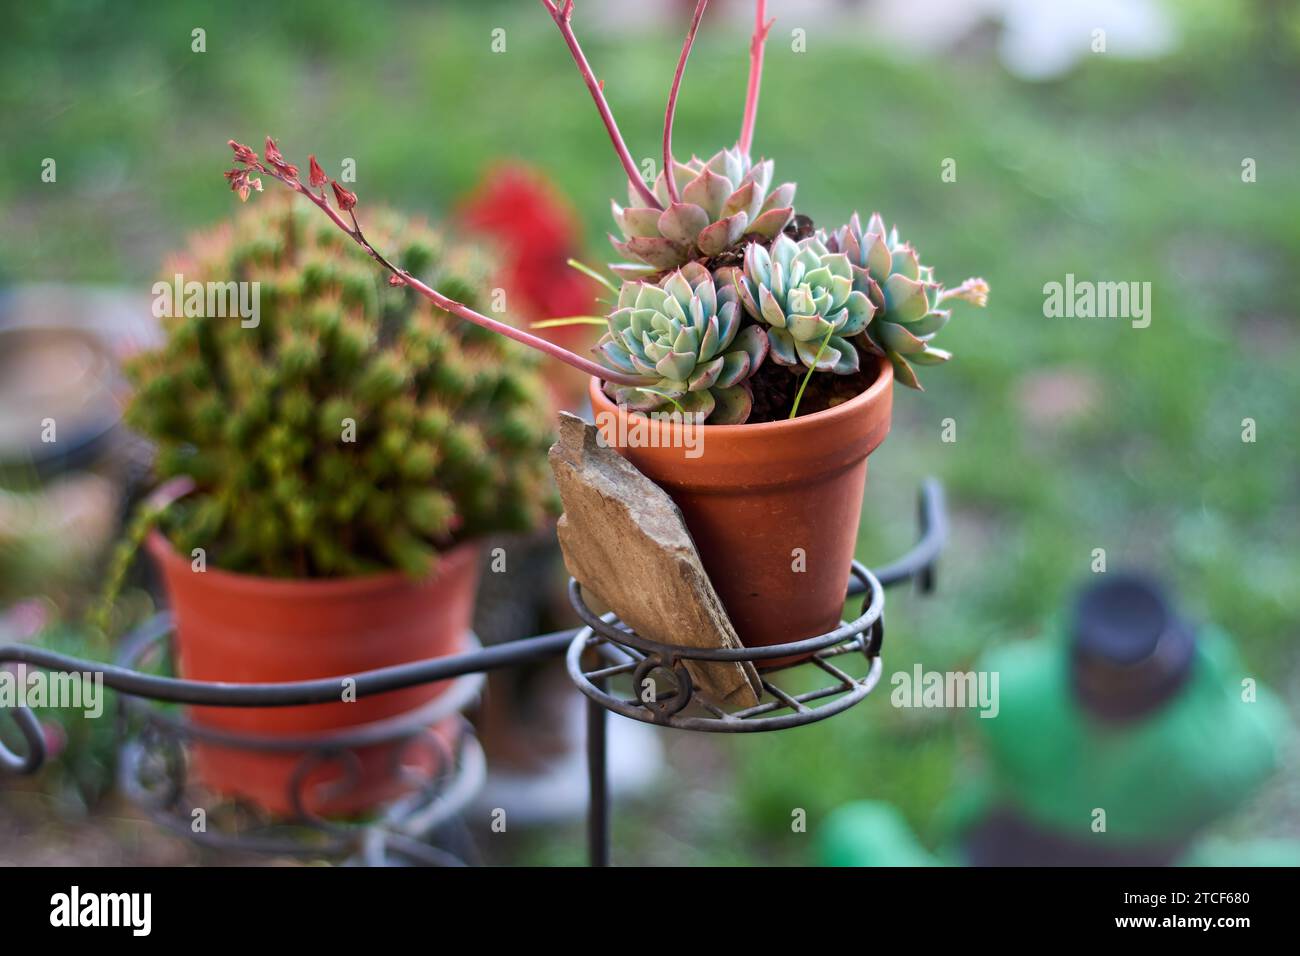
(721, 200)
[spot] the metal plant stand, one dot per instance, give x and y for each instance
(152, 773)
(623, 652)
(152, 766)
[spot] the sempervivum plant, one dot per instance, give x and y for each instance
(724, 199)
(804, 294)
(683, 336)
(903, 291)
(355, 427)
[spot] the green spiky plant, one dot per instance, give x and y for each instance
(819, 301)
(357, 427)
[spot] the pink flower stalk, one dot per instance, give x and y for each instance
(670, 179)
(755, 75)
(287, 174)
(562, 13)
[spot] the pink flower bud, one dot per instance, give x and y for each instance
(345, 199)
(242, 153)
(240, 182)
(274, 157)
(316, 175)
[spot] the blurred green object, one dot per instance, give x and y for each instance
(83, 772)
(870, 833)
(1072, 779)
(1257, 852)
(1158, 779)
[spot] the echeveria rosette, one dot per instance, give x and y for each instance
(905, 295)
(804, 294)
(683, 334)
(721, 200)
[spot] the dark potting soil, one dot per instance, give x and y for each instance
(775, 387)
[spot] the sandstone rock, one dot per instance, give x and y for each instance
(626, 543)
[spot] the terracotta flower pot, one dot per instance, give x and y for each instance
(247, 629)
(753, 494)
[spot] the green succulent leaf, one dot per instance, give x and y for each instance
(905, 298)
(782, 345)
(898, 339)
(706, 375)
(781, 196)
(859, 313)
(681, 222)
(732, 405)
(699, 405)
(906, 263)
(711, 341)
(770, 308)
(741, 201)
(708, 190)
(679, 294)
(735, 368)
(931, 357)
(770, 223)
(931, 323)
(903, 372)
(637, 221)
(752, 340)
(902, 294)
(808, 328)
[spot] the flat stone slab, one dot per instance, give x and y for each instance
(625, 541)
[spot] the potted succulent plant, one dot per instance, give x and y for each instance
(345, 454)
(779, 341)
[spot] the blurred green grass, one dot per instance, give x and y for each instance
(1121, 172)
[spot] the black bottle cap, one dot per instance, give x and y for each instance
(1131, 650)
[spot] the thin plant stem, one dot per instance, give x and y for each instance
(812, 368)
(755, 75)
(99, 618)
(569, 320)
(458, 309)
(591, 273)
(664, 395)
(669, 178)
(561, 12)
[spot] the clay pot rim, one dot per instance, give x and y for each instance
(827, 416)
(161, 550)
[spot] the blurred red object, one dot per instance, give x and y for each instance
(537, 233)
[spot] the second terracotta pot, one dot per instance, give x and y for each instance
(247, 629)
(773, 507)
